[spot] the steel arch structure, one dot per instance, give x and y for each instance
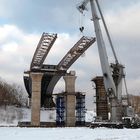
(52, 73)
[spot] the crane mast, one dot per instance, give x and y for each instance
(109, 83)
(112, 74)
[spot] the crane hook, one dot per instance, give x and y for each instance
(81, 29)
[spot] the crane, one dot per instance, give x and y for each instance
(113, 74)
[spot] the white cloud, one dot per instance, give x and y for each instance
(125, 23)
(10, 47)
(9, 31)
(16, 52)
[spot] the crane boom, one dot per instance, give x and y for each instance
(108, 35)
(112, 74)
(108, 80)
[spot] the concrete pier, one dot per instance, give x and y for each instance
(36, 98)
(70, 99)
(101, 98)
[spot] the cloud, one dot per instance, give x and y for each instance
(126, 20)
(16, 48)
(41, 15)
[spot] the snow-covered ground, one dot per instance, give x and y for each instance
(9, 116)
(14, 133)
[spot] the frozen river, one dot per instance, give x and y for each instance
(15, 133)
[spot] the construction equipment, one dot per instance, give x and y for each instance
(112, 74)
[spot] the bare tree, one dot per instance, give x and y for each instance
(11, 94)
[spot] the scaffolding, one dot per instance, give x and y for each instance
(60, 110)
(80, 109)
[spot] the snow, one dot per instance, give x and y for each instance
(45, 115)
(10, 115)
(15, 133)
(90, 116)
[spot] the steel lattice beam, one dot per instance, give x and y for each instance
(74, 53)
(42, 50)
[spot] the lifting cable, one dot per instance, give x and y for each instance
(81, 27)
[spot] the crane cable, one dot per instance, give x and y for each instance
(81, 27)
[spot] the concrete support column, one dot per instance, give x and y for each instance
(70, 99)
(36, 98)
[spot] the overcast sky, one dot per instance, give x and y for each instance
(23, 21)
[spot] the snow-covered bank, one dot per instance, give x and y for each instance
(11, 115)
(68, 134)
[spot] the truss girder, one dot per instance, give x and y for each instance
(42, 50)
(74, 53)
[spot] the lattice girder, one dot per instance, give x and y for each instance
(42, 50)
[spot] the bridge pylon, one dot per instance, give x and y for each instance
(36, 98)
(70, 98)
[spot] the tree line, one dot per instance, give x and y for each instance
(11, 94)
